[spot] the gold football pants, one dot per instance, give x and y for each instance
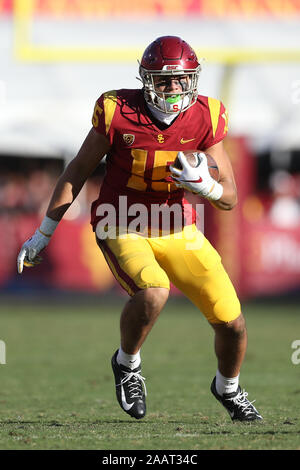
(186, 259)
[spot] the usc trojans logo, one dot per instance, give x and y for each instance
(128, 139)
(160, 138)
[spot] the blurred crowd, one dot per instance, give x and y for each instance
(26, 184)
(30, 193)
(26, 188)
(284, 210)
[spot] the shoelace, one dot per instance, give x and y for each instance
(136, 379)
(242, 402)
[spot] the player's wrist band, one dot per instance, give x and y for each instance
(48, 226)
(216, 192)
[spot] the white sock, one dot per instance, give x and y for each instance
(226, 384)
(132, 361)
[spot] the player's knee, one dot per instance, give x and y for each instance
(236, 327)
(153, 300)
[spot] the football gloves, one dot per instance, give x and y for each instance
(196, 179)
(29, 253)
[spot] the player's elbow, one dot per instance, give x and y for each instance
(228, 207)
(232, 203)
(230, 197)
(226, 203)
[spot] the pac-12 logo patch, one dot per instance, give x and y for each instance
(128, 139)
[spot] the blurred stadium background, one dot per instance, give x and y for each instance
(58, 56)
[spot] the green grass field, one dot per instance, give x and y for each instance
(57, 388)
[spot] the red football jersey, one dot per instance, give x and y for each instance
(140, 154)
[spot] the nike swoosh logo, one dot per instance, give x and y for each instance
(231, 413)
(192, 181)
(125, 405)
(185, 141)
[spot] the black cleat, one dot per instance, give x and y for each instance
(130, 389)
(237, 404)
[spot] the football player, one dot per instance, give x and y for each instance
(141, 132)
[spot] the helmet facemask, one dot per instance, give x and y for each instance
(170, 102)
